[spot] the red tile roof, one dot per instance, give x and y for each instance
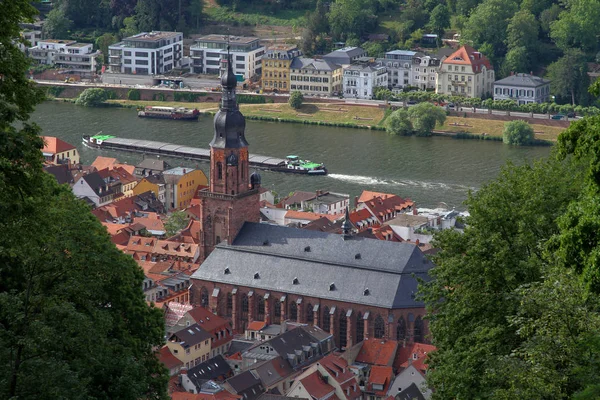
(256, 325)
(151, 223)
(382, 376)
(222, 395)
(55, 145)
(315, 386)
(377, 352)
(291, 214)
(211, 323)
(415, 354)
(337, 369)
(175, 311)
(168, 359)
(467, 55)
(384, 208)
(367, 195)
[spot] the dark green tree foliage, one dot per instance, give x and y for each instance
(517, 133)
(569, 77)
(72, 313)
(487, 295)
(351, 16)
(424, 117)
(439, 20)
(398, 123)
(295, 100)
(57, 25)
(92, 97)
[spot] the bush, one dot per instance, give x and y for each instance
(398, 123)
(55, 91)
(134, 94)
(158, 97)
(517, 133)
(424, 117)
(92, 97)
(296, 99)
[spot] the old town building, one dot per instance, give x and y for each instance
(313, 76)
(352, 287)
(522, 88)
(466, 72)
(276, 68)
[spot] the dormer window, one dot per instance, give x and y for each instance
(227, 271)
(296, 281)
(331, 286)
(366, 292)
(307, 249)
(256, 275)
(357, 256)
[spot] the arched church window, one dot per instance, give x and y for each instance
(219, 171)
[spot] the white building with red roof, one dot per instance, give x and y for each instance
(58, 151)
(466, 72)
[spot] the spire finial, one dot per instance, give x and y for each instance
(347, 225)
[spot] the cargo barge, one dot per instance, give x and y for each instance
(289, 165)
(178, 113)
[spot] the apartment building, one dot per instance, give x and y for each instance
(209, 55)
(312, 76)
(33, 36)
(147, 53)
(276, 68)
(361, 80)
(423, 70)
(522, 88)
(399, 66)
(466, 72)
(68, 54)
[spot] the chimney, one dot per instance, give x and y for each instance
(417, 242)
(355, 201)
(184, 171)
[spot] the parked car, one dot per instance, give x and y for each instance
(558, 116)
(411, 102)
(571, 114)
(450, 105)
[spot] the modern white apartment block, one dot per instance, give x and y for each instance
(68, 54)
(209, 55)
(522, 88)
(399, 66)
(424, 70)
(360, 80)
(32, 36)
(147, 53)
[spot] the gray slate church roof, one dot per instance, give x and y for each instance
(317, 264)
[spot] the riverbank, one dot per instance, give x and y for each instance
(353, 116)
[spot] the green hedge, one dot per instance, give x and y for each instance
(134, 94)
(55, 90)
(250, 99)
(159, 97)
(188, 96)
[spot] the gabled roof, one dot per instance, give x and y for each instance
(215, 369)
(175, 311)
(313, 63)
(316, 386)
(207, 320)
(466, 55)
(379, 375)
(55, 145)
(416, 354)
(311, 216)
(190, 336)
(104, 162)
(273, 371)
(168, 359)
(377, 352)
(367, 195)
(256, 325)
(412, 392)
(324, 265)
(325, 224)
(297, 197)
(244, 383)
(153, 164)
(95, 181)
(61, 173)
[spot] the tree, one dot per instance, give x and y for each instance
(176, 222)
(355, 16)
(439, 21)
(488, 25)
(72, 310)
(195, 10)
(105, 40)
(517, 133)
(517, 60)
(478, 293)
(92, 97)
(577, 26)
(296, 99)
(398, 123)
(568, 75)
(424, 117)
(522, 31)
(57, 25)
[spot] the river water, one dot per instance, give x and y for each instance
(426, 170)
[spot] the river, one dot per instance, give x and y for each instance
(426, 170)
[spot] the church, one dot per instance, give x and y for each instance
(353, 287)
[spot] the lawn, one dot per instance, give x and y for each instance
(495, 127)
(329, 112)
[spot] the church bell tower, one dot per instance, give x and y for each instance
(232, 197)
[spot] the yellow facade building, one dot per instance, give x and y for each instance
(191, 345)
(152, 183)
(181, 186)
(276, 68)
(58, 151)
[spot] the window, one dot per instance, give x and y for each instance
(203, 297)
(140, 54)
(293, 311)
(219, 170)
(401, 329)
(360, 328)
(343, 328)
(260, 315)
(326, 320)
(276, 312)
(418, 330)
(379, 327)
(127, 53)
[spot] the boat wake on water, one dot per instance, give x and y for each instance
(368, 180)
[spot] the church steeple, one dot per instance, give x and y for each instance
(229, 122)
